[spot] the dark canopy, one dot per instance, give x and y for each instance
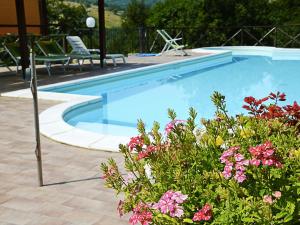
(25, 17)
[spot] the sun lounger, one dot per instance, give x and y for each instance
(79, 48)
(14, 51)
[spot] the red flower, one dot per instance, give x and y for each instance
(141, 214)
(135, 142)
(264, 153)
(203, 214)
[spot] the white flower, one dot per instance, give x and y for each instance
(148, 173)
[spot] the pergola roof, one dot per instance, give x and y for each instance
(35, 16)
(25, 17)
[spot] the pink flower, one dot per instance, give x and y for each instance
(178, 197)
(203, 214)
(268, 199)
(240, 166)
(227, 174)
(228, 153)
(240, 176)
(142, 214)
(234, 162)
(170, 126)
(238, 157)
(277, 194)
(255, 162)
(169, 203)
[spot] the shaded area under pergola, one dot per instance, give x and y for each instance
(29, 17)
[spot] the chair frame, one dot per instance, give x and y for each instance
(171, 43)
(81, 49)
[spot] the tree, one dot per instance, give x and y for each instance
(136, 14)
(66, 17)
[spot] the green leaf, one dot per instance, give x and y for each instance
(288, 218)
(188, 220)
(248, 219)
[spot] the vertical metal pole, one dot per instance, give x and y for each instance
(242, 37)
(275, 37)
(33, 86)
(22, 31)
(101, 13)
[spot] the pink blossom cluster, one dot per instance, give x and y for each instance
(264, 154)
(234, 162)
(203, 214)
(169, 203)
(269, 199)
(142, 214)
(170, 126)
(136, 142)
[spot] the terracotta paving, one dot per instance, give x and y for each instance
(73, 193)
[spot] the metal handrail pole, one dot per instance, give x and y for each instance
(233, 36)
(260, 40)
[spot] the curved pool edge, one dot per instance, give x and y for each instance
(53, 126)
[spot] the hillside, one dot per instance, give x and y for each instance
(111, 19)
(119, 4)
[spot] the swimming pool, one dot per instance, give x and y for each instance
(100, 112)
(148, 94)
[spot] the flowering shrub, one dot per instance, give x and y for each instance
(231, 170)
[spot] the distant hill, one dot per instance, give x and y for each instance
(111, 18)
(119, 4)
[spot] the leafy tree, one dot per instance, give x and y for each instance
(66, 17)
(136, 14)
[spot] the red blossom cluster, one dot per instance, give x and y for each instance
(136, 142)
(291, 113)
(264, 154)
(142, 214)
(203, 214)
(146, 152)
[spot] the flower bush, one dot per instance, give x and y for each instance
(242, 169)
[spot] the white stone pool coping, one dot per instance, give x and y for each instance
(53, 126)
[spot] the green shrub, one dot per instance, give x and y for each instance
(231, 170)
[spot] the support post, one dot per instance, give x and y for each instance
(20, 10)
(101, 13)
(33, 86)
(43, 17)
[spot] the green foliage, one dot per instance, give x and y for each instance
(65, 16)
(187, 159)
(136, 14)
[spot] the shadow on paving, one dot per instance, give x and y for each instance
(9, 81)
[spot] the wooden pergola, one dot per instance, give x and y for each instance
(29, 17)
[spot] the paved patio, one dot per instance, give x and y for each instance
(74, 194)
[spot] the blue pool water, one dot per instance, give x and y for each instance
(148, 97)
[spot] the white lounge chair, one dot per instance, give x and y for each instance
(171, 43)
(79, 48)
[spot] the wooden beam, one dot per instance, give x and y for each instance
(101, 15)
(43, 17)
(20, 10)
